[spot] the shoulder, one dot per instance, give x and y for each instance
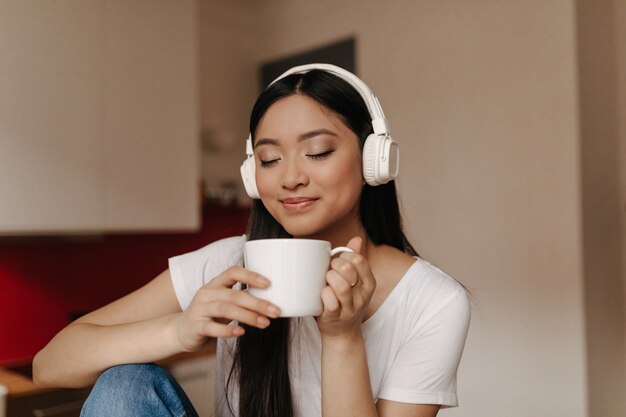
(418, 274)
(214, 257)
(433, 292)
(223, 249)
(433, 279)
(229, 243)
(228, 246)
(190, 271)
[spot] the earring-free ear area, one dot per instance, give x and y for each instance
(248, 176)
(381, 159)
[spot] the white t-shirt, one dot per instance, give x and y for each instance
(414, 340)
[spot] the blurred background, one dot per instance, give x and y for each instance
(122, 128)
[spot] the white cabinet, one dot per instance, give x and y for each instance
(98, 116)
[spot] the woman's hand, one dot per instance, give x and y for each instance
(216, 305)
(348, 293)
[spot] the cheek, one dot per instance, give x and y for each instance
(266, 184)
(264, 181)
(345, 171)
(343, 180)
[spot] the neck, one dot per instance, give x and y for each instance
(340, 236)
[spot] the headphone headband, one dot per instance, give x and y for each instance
(379, 122)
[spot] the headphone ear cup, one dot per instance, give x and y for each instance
(380, 159)
(369, 159)
(248, 175)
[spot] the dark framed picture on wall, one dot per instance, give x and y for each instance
(340, 53)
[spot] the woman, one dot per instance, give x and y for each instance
(389, 340)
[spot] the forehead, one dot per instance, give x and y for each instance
(298, 113)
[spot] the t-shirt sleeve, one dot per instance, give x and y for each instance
(425, 367)
(191, 271)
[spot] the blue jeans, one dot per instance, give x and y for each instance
(137, 390)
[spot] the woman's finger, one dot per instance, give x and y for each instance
(237, 274)
(229, 311)
(331, 304)
(362, 268)
(242, 299)
(341, 288)
(346, 270)
(213, 329)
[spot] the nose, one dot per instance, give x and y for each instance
(294, 174)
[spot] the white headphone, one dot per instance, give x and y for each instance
(381, 155)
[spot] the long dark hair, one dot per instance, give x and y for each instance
(261, 357)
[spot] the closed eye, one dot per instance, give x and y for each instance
(269, 163)
(322, 155)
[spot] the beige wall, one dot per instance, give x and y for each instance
(597, 29)
(229, 42)
(483, 97)
(620, 36)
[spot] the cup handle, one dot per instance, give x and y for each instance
(340, 249)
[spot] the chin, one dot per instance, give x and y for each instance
(302, 232)
(303, 228)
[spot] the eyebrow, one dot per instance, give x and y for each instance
(304, 136)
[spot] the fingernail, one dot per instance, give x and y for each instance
(263, 321)
(262, 280)
(238, 331)
(273, 311)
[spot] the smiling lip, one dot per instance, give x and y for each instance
(298, 204)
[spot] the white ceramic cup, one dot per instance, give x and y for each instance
(297, 271)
